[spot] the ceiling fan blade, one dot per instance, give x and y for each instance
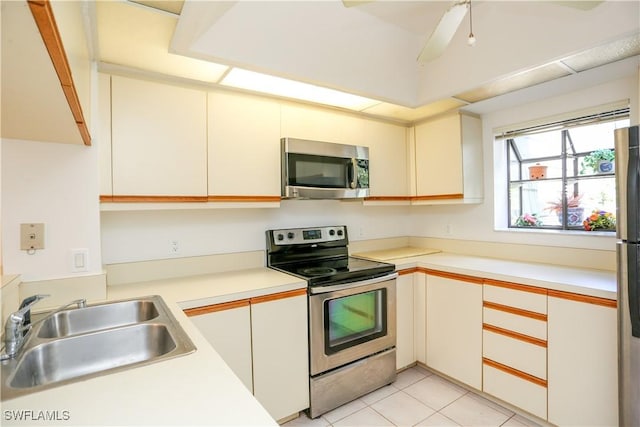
(577, 4)
(443, 32)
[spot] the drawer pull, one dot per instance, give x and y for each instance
(514, 372)
(515, 335)
(513, 310)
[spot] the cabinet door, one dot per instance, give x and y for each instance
(420, 317)
(159, 139)
(321, 125)
(439, 157)
(448, 160)
(583, 363)
(388, 158)
(281, 353)
(244, 145)
(404, 321)
(454, 328)
(104, 133)
(228, 329)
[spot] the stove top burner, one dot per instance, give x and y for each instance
(317, 271)
(320, 256)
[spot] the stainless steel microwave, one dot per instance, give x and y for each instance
(323, 170)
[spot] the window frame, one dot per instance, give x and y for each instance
(566, 180)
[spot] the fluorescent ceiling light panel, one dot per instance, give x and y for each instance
(600, 55)
(412, 114)
(257, 82)
(137, 37)
(515, 82)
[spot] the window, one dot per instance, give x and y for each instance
(562, 175)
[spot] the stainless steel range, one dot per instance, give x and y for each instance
(352, 313)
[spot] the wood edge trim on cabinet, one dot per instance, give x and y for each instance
(408, 271)
(152, 199)
(46, 23)
(279, 295)
(244, 198)
(605, 302)
(439, 197)
(455, 276)
(198, 311)
(515, 372)
(516, 286)
(187, 199)
(388, 198)
(514, 310)
(514, 335)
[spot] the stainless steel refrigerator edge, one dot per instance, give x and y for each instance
(628, 249)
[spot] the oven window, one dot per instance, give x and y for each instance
(354, 319)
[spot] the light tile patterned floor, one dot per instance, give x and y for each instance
(417, 398)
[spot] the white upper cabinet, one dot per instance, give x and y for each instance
(448, 160)
(104, 134)
(321, 125)
(388, 159)
(40, 101)
(244, 145)
(159, 139)
(388, 147)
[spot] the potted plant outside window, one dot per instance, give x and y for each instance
(599, 161)
(575, 212)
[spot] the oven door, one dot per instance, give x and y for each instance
(348, 322)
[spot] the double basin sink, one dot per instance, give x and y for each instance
(78, 344)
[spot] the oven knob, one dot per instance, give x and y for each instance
(339, 232)
(332, 232)
(280, 237)
(290, 235)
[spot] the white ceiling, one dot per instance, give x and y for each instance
(370, 49)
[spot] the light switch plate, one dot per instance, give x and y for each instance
(31, 236)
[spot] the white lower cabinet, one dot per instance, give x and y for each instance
(404, 321)
(228, 330)
(264, 340)
(454, 327)
(420, 317)
(514, 339)
(280, 354)
(583, 362)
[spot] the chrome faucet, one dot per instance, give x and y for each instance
(19, 324)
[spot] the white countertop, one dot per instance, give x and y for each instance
(591, 282)
(195, 389)
(199, 388)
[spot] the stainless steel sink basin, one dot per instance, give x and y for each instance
(97, 317)
(87, 354)
(79, 344)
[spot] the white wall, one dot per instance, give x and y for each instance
(56, 184)
(476, 222)
(146, 235)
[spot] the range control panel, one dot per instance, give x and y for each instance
(295, 236)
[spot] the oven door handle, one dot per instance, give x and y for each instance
(350, 285)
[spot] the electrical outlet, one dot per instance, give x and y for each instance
(448, 229)
(31, 236)
(174, 247)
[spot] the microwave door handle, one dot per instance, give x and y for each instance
(351, 173)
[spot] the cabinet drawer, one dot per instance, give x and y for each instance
(525, 300)
(517, 354)
(517, 391)
(534, 327)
